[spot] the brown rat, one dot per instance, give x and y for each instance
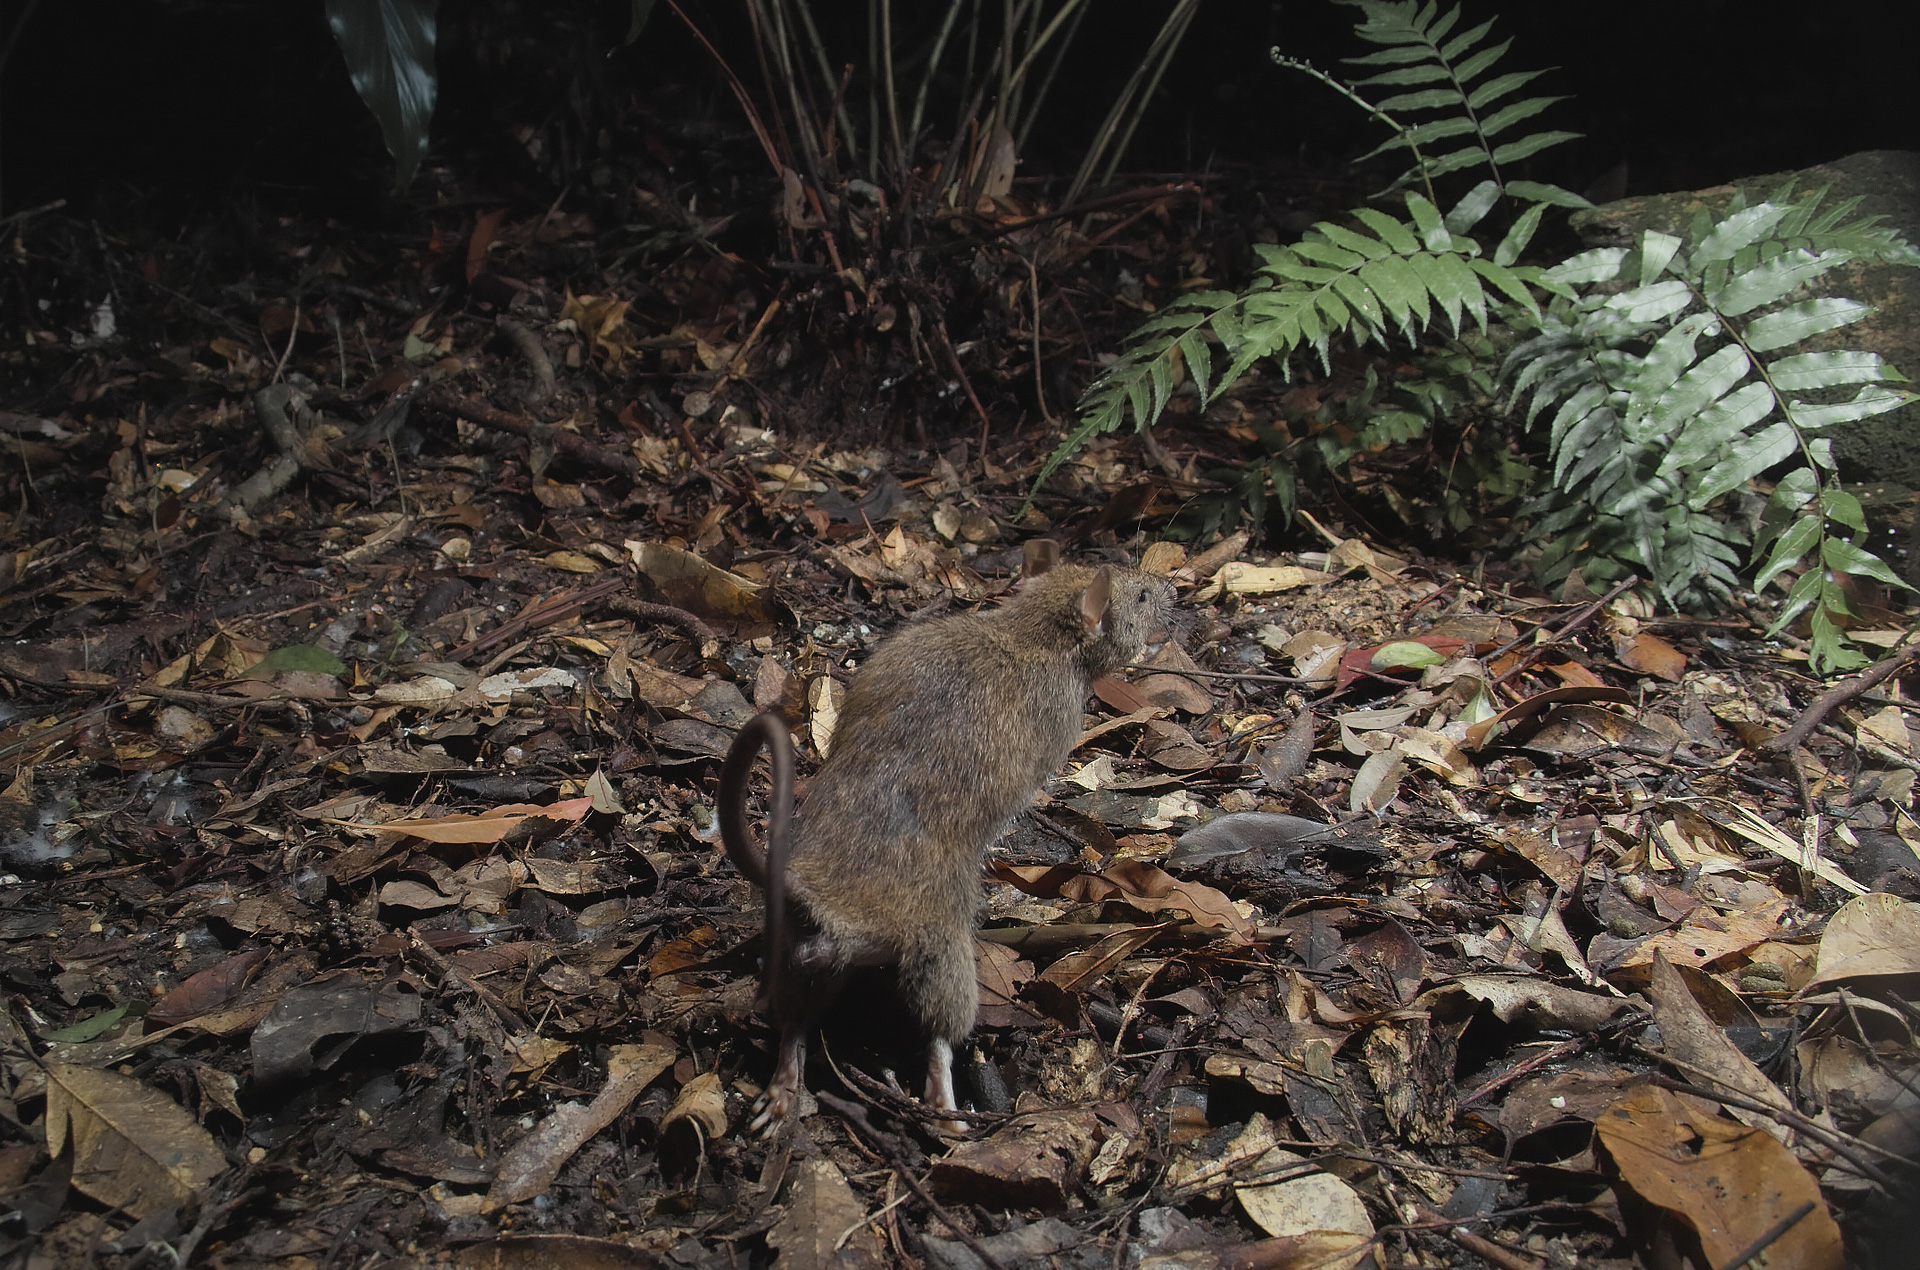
(945, 735)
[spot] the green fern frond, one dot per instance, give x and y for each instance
(1663, 401)
(1451, 76)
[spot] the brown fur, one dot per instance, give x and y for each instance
(945, 735)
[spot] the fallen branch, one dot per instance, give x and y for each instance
(1838, 695)
(569, 444)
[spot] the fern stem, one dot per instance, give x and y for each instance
(1314, 72)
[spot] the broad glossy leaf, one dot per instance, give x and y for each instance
(1711, 379)
(1843, 508)
(1601, 264)
(1838, 553)
(1540, 192)
(1796, 322)
(1656, 253)
(1869, 401)
(1747, 458)
(1427, 218)
(1652, 304)
(1527, 146)
(388, 46)
(1360, 244)
(1469, 211)
(1393, 231)
(1825, 370)
(1789, 551)
(1702, 437)
(1738, 230)
(1772, 280)
(1669, 359)
(1513, 112)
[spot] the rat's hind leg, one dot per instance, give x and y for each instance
(810, 986)
(937, 980)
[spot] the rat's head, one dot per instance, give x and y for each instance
(1120, 611)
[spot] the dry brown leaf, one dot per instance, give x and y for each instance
(133, 1147)
(1704, 1054)
(822, 1210)
(1876, 934)
(487, 826)
(530, 1165)
(1730, 1184)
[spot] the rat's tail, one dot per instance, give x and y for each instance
(765, 869)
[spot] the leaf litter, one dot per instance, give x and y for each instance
(1392, 914)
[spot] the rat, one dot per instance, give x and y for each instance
(945, 735)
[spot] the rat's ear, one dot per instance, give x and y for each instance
(1038, 556)
(1095, 601)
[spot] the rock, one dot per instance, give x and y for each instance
(1882, 448)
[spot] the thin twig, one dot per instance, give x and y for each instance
(856, 1118)
(1841, 693)
(1766, 1240)
(1572, 624)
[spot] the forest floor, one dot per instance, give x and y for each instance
(379, 600)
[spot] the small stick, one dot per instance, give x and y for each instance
(856, 1116)
(1766, 1240)
(1841, 693)
(540, 615)
(1572, 624)
(293, 333)
(946, 346)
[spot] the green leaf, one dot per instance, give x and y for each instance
(1519, 234)
(1469, 211)
(1843, 508)
(1702, 437)
(1825, 370)
(1738, 230)
(1471, 69)
(1199, 361)
(1399, 288)
(1869, 401)
(1845, 557)
(388, 46)
(1499, 86)
(1527, 146)
(1406, 654)
(87, 1029)
(1537, 192)
(1772, 280)
(1393, 231)
(1652, 304)
(1507, 282)
(1360, 299)
(1747, 458)
(1797, 322)
(1466, 40)
(1425, 99)
(307, 657)
(1788, 552)
(1601, 264)
(1656, 253)
(1360, 244)
(1513, 112)
(1708, 381)
(1426, 217)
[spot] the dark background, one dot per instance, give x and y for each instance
(131, 107)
